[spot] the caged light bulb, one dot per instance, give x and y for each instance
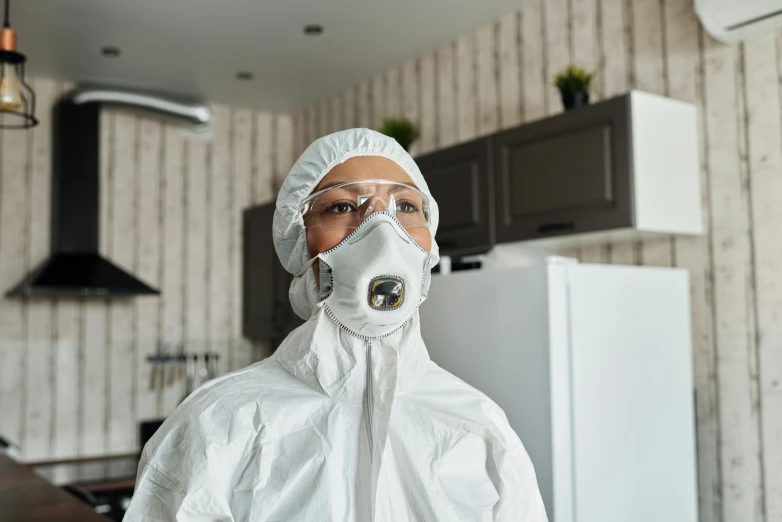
(10, 90)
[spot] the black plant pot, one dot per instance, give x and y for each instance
(574, 100)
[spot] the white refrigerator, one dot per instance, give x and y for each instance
(592, 365)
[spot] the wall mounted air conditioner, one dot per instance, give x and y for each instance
(735, 20)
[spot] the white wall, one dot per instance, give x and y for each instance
(73, 375)
(501, 75)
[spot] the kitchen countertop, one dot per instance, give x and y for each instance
(95, 470)
(28, 497)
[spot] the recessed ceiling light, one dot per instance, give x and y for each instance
(244, 75)
(110, 52)
(313, 29)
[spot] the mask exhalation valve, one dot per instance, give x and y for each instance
(386, 293)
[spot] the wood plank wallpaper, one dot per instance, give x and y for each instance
(501, 75)
(74, 380)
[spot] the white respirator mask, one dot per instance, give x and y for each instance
(372, 282)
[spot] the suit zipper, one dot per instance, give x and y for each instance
(368, 393)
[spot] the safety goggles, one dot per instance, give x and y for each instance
(348, 204)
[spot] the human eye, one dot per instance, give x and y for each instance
(406, 207)
(340, 208)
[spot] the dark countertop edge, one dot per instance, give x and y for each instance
(27, 497)
(80, 460)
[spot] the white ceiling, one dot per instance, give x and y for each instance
(195, 47)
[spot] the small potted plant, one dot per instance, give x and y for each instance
(573, 84)
(403, 130)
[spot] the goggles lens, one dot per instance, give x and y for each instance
(348, 204)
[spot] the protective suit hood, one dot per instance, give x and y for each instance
(290, 238)
(334, 427)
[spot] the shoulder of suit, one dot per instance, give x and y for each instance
(437, 379)
(220, 405)
(440, 390)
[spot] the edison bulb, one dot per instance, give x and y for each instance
(10, 91)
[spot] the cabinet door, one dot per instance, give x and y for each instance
(266, 309)
(566, 174)
(460, 179)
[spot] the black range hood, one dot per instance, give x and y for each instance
(75, 267)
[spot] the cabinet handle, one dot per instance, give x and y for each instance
(556, 227)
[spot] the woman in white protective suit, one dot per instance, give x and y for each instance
(349, 420)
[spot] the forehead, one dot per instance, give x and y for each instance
(365, 167)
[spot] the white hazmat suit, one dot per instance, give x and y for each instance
(334, 427)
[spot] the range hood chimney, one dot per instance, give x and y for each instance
(75, 267)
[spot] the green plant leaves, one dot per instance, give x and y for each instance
(573, 79)
(403, 130)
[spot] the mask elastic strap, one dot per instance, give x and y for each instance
(306, 266)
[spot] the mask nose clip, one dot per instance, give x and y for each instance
(386, 292)
(371, 205)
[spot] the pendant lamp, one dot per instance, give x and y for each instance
(17, 99)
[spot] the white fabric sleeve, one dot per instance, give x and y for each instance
(158, 498)
(177, 482)
(520, 499)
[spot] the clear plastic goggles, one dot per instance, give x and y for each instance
(348, 204)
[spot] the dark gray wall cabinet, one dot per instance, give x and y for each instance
(266, 310)
(460, 180)
(564, 175)
(623, 169)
